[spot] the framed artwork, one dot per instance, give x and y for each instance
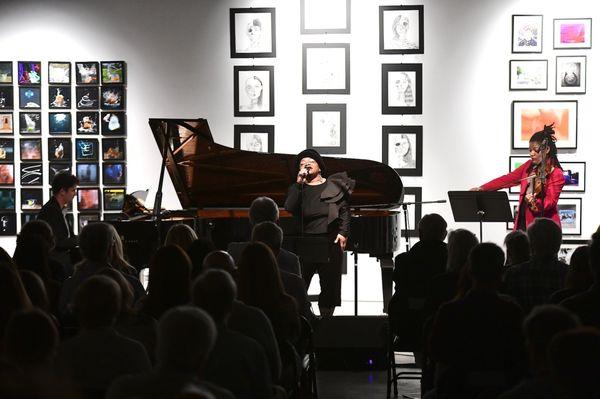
(84, 218)
(529, 117)
(7, 174)
(6, 72)
(31, 149)
(325, 68)
(568, 247)
(571, 74)
(30, 122)
(32, 174)
(113, 124)
(257, 138)
(514, 207)
(86, 73)
(30, 97)
(32, 199)
(6, 123)
(318, 16)
(253, 91)
(7, 97)
(401, 29)
(412, 195)
(528, 75)
(59, 73)
(88, 199)
(572, 33)
(57, 167)
(59, 97)
(113, 199)
(7, 150)
(326, 128)
(112, 72)
(113, 174)
(514, 161)
(112, 97)
(87, 97)
(403, 149)
(8, 224)
(7, 199)
(569, 211)
(87, 173)
(527, 33)
(86, 149)
(107, 217)
(59, 149)
(574, 173)
(29, 72)
(402, 88)
(59, 123)
(27, 217)
(113, 149)
(87, 122)
(252, 32)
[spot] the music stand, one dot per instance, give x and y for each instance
(480, 206)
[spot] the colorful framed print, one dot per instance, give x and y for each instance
(30, 97)
(88, 199)
(402, 88)
(112, 72)
(572, 33)
(7, 199)
(253, 91)
(32, 174)
(31, 149)
(252, 32)
(255, 138)
(59, 123)
(527, 33)
(87, 122)
(59, 73)
(57, 167)
(84, 218)
(574, 173)
(325, 68)
(403, 149)
(6, 72)
(113, 149)
(112, 98)
(326, 128)
(569, 212)
(113, 199)
(29, 72)
(401, 29)
(317, 17)
(528, 75)
(529, 117)
(7, 174)
(8, 224)
(113, 174)
(568, 247)
(30, 122)
(7, 95)
(412, 195)
(86, 149)
(6, 123)
(514, 161)
(86, 73)
(113, 124)
(514, 207)
(571, 74)
(59, 97)
(32, 199)
(87, 173)
(7, 150)
(60, 149)
(87, 97)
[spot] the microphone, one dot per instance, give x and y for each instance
(304, 173)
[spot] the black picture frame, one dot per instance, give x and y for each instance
(86, 149)
(573, 36)
(113, 72)
(29, 73)
(320, 63)
(7, 123)
(113, 149)
(526, 80)
(60, 123)
(88, 173)
(407, 139)
(113, 97)
(31, 149)
(87, 97)
(306, 25)
(32, 174)
(87, 122)
(514, 161)
(570, 212)
(57, 167)
(244, 40)
(7, 199)
(84, 218)
(7, 150)
(413, 194)
(326, 132)
(6, 73)
(30, 123)
(571, 77)
(88, 199)
(32, 199)
(514, 207)
(113, 198)
(398, 21)
(8, 224)
(7, 98)
(27, 217)
(30, 97)
(553, 111)
(59, 72)
(254, 78)
(87, 73)
(402, 75)
(525, 38)
(60, 149)
(113, 123)
(575, 174)
(252, 138)
(59, 97)
(7, 174)
(114, 174)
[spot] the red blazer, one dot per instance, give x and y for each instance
(554, 184)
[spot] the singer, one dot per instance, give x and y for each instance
(541, 180)
(320, 206)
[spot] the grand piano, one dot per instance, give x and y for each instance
(216, 184)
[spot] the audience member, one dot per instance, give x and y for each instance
(533, 282)
(181, 235)
(13, 296)
(517, 248)
(36, 290)
(117, 259)
(197, 251)
(236, 362)
(579, 277)
(43, 230)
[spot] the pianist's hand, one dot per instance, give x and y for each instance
(340, 239)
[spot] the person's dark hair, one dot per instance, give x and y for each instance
(13, 296)
(432, 227)
(517, 247)
(181, 234)
(219, 260)
(197, 251)
(97, 302)
(40, 228)
(270, 234)
(310, 153)
(124, 286)
(263, 209)
(547, 135)
(32, 253)
(460, 243)
(95, 242)
(594, 246)
(214, 291)
(63, 181)
(486, 261)
(31, 338)
(545, 238)
(580, 276)
(35, 288)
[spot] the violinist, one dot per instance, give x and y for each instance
(541, 180)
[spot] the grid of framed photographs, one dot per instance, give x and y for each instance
(75, 123)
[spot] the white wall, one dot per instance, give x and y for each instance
(177, 54)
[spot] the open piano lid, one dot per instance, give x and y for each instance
(210, 175)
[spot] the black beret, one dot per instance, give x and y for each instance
(310, 153)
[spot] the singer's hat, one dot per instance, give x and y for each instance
(310, 153)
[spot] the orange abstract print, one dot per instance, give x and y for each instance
(534, 119)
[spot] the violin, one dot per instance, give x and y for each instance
(538, 179)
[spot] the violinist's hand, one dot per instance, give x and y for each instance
(530, 198)
(340, 239)
(476, 189)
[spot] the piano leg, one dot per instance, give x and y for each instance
(387, 274)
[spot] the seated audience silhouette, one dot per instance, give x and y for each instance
(517, 248)
(43, 231)
(13, 296)
(197, 251)
(181, 235)
(579, 277)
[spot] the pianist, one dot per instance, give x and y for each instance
(320, 205)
